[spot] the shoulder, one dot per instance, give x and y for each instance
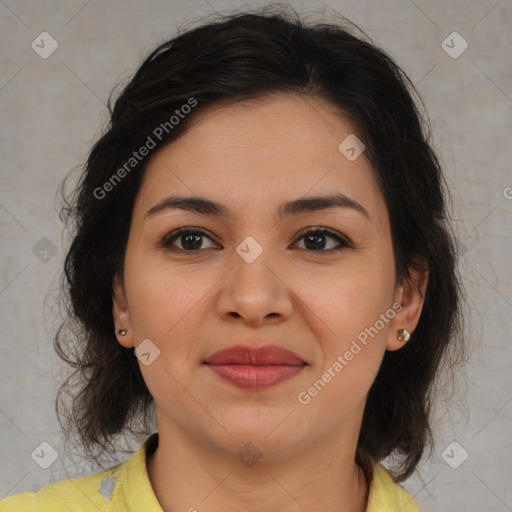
(122, 488)
(78, 494)
(387, 496)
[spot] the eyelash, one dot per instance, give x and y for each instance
(168, 239)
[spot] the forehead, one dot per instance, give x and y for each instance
(253, 152)
(273, 124)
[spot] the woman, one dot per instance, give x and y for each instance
(262, 253)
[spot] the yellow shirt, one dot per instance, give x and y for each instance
(127, 488)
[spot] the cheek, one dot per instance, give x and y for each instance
(167, 307)
(163, 301)
(352, 335)
(350, 301)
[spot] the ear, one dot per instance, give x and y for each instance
(410, 294)
(121, 314)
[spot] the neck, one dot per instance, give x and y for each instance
(186, 475)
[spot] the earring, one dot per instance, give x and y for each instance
(122, 332)
(403, 335)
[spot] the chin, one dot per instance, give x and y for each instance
(269, 437)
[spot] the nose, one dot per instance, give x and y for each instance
(255, 293)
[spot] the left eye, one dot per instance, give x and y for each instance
(191, 240)
(316, 238)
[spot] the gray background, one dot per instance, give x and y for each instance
(53, 109)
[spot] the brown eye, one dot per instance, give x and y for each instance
(315, 240)
(191, 240)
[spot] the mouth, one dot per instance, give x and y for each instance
(255, 368)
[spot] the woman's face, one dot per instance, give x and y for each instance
(251, 278)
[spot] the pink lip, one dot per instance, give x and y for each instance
(255, 368)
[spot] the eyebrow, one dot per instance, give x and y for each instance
(204, 206)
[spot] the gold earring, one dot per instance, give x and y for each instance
(403, 335)
(122, 332)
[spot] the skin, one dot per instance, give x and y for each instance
(252, 157)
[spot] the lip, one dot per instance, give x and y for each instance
(255, 367)
(255, 356)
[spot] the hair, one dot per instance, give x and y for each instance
(241, 57)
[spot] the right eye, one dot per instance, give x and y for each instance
(188, 237)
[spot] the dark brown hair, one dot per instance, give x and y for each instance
(236, 58)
